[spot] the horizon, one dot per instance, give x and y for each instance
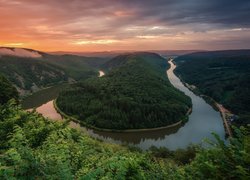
(124, 51)
(97, 26)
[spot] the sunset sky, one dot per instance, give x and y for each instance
(101, 25)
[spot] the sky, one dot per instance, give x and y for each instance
(107, 25)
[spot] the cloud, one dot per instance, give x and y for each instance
(61, 22)
(19, 52)
(100, 41)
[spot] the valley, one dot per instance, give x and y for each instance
(30, 73)
(124, 90)
(202, 121)
(45, 136)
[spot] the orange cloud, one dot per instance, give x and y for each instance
(65, 25)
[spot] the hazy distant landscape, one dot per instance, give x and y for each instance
(125, 89)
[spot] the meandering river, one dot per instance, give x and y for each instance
(202, 121)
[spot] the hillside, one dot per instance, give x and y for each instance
(31, 70)
(134, 94)
(29, 74)
(33, 147)
(222, 75)
(7, 91)
(76, 67)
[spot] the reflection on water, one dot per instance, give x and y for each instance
(101, 73)
(48, 111)
(202, 121)
(133, 137)
(41, 97)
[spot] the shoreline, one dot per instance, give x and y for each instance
(223, 112)
(43, 88)
(211, 102)
(81, 123)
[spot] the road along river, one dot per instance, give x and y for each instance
(202, 122)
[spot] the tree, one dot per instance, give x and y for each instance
(7, 91)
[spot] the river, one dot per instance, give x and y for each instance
(101, 73)
(202, 122)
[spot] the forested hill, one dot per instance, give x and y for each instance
(30, 70)
(34, 147)
(223, 75)
(151, 58)
(134, 94)
(215, 54)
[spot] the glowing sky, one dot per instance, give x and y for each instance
(100, 25)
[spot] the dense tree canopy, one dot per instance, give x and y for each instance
(134, 94)
(32, 147)
(7, 91)
(222, 75)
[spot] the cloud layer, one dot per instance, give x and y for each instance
(98, 25)
(19, 52)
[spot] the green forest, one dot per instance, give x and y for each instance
(31, 74)
(33, 147)
(135, 93)
(222, 75)
(7, 91)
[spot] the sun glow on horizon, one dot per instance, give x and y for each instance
(12, 44)
(100, 41)
(121, 25)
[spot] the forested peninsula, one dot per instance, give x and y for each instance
(135, 93)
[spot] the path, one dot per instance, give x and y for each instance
(224, 112)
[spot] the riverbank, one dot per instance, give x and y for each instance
(201, 122)
(179, 123)
(219, 107)
(46, 94)
(223, 112)
(23, 97)
(43, 96)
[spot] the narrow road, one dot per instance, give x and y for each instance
(223, 112)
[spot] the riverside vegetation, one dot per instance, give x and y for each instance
(33, 147)
(134, 94)
(7, 91)
(222, 75)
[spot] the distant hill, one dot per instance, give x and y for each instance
(77, 67)
(217, 54)
(120, 60)
(134, 93)
(112, 54)
(31, 70)
(223, 75)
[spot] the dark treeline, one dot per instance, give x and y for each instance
(222, 75)
(134, 94)
(7, 91)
